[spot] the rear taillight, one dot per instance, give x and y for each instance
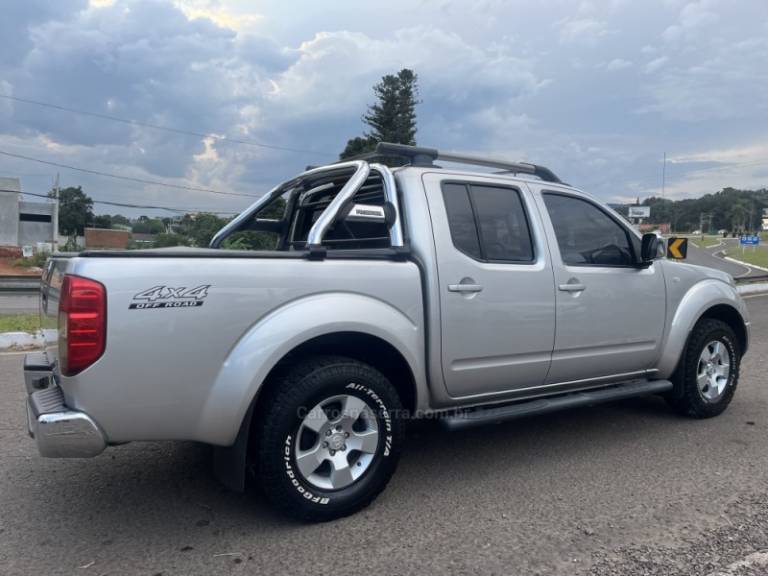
(82, 323)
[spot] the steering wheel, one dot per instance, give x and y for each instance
(609, 254)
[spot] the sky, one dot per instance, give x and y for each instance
(597, 90)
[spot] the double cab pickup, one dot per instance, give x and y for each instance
(467, 289)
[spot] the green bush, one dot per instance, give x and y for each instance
(165, 240)
(37, 260)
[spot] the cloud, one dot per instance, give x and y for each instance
(133, 60)
(723, 86)
(582, 30)
(693, 19)
(463, 84)
(656, 64)
(226, 15)
(18, 18)
(686, 77)
(618, 64)
(332, 62)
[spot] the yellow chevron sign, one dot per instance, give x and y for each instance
(677, 248)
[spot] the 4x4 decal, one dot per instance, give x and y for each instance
(169, 297)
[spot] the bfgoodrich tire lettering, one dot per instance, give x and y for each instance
(308, 384)
(693, 397)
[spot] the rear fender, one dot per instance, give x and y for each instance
(275, 335)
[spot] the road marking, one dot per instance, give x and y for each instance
(744, 265)
(702, 247)
(754, 560)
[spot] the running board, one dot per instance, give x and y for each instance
(481, 416)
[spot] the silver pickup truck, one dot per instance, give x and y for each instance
(461, 294)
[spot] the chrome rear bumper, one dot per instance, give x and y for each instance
(58, 431)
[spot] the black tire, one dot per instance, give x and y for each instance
(687, 398)
(298, 390)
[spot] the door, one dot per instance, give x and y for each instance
(610, 313)
(497, 302)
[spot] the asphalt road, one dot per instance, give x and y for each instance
(628, 488)
(707, 257)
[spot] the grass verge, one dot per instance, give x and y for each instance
(706, 241)
(757, 256)
(19, 323)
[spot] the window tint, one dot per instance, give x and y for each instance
(461, 220)
(503, 225)
(488, 223)
(586, 235)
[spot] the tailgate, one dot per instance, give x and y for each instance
(50, 290)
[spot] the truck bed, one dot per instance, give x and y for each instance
(170, 360)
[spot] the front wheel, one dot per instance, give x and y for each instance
(331, 438)
(709, 372)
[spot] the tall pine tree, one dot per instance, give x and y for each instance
(393, 117)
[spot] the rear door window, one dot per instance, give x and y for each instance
(488, 223)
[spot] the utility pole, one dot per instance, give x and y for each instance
(55, 231)
(664, 175)
(705, 217)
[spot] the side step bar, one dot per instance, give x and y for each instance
(481, 416)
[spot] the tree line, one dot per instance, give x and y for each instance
(730, 209)
(76, 214)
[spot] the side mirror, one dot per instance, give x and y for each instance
(649, 249)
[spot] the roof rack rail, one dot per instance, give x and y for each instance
(421, 156)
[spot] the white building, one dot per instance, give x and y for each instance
(23, 223)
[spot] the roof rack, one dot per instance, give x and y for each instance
(421, 156)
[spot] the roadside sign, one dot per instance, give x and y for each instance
(639, 211)
(677, 248)
(749, 239)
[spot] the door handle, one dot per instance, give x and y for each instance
(572, 287)
(465, 288)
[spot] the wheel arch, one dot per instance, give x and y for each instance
(731, 316)
(706, 299)
(231, 463)
(316, 322)
(362, 346)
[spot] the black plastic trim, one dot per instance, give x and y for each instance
(398, 253)
(496, 414)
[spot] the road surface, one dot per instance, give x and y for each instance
(628, 488)
(707, 257)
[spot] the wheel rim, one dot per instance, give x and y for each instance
(336, 442)
(714, 370)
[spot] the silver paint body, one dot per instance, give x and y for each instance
(191, 373)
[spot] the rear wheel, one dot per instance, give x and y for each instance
(331, 438)
(709, 372)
